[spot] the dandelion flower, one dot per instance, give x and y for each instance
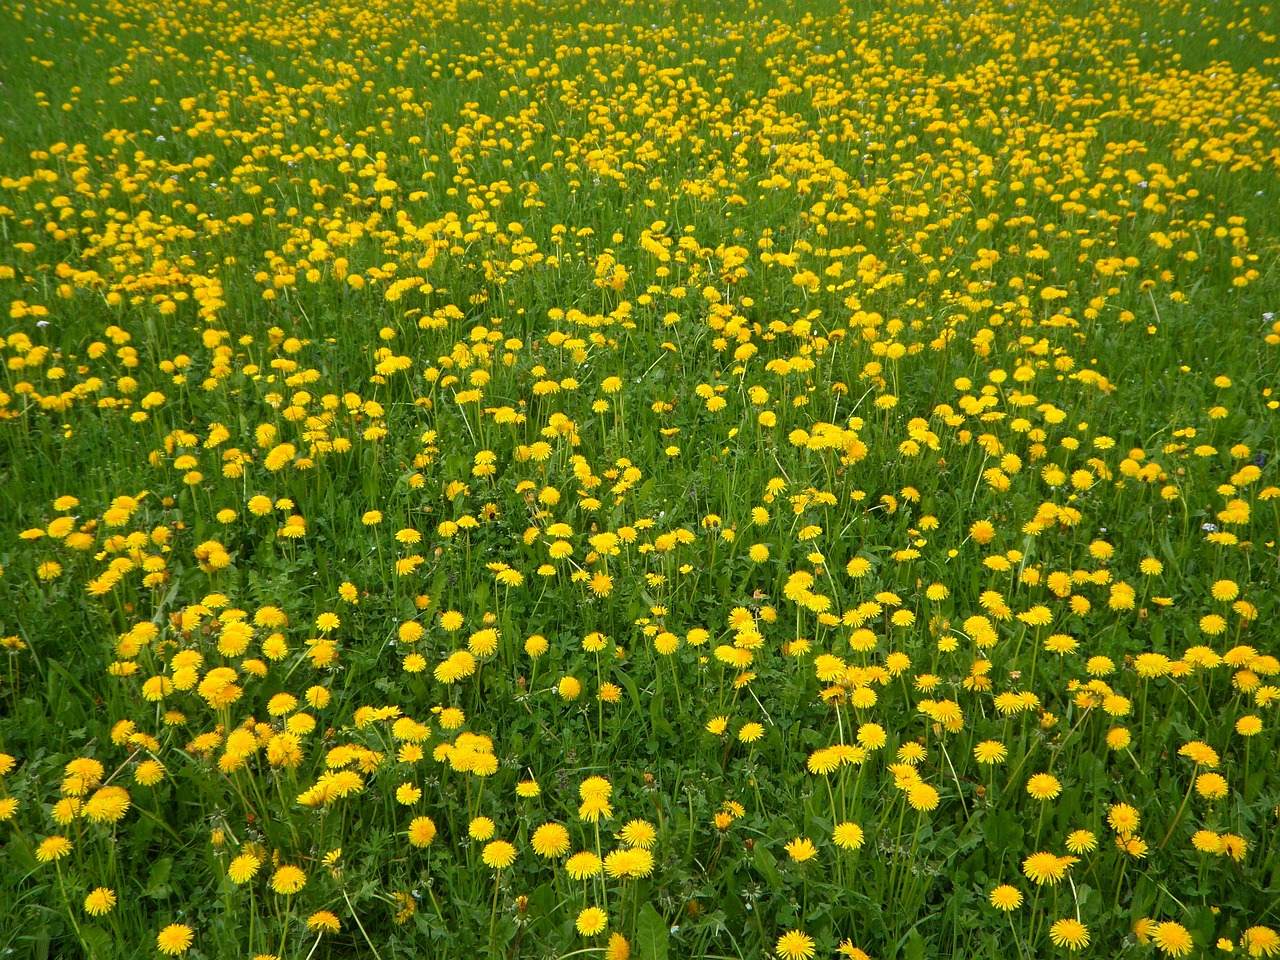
(794, 945)
(322, 921)
(1069, 933)
(1172, 938)
(591, 921)
(629, 863)
(1260, 941)
(990, 752)
(1211, 786)
(1006, 897)
(422, 830)
(594, 807)
(801, 849)
(848, 836)
(1081, 841)
(847, 949)
(1133, 846)
(242, 868)
(1225, 591)
(408, 794)
(1100, 666)
(583, 866)
(1118, 738)
(53, 848)
(1123, 818)
(499, 854)
(288, 880)
(550, 840)
(174, 939)
(100, 902)
(1042, 868)
(922, 797)
(1207, 841)
(637, 833)
(1201, 754)
(911, 753)
(1044, 786)
(872, 736)
(569, 688)
(1248, 726)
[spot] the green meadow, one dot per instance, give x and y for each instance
(639, 480)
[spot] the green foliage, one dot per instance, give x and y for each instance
(823, 461)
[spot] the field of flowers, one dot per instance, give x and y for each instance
(537, 480)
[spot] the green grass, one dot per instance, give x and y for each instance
(937, 339)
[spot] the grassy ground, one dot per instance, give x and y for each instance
(545, 480)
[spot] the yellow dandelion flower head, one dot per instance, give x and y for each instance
(1044, 867)
(1069, 933)
(847, 835)
(639, 833)
(243, 867)
(175, 939)
(591, 921)
(794, 945)
(422, 831)
(801, 849)
(1172, 938)
(1260, 941)
(922, 797)
(1201, 754)
(550, 840)
(499, 854)
(1005, 897)
(583, 866)
(323, 921)
(100, 901)
(1044, 786)
(1123, 818)
(288, 880)
(1081, 841)
(53, 848)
